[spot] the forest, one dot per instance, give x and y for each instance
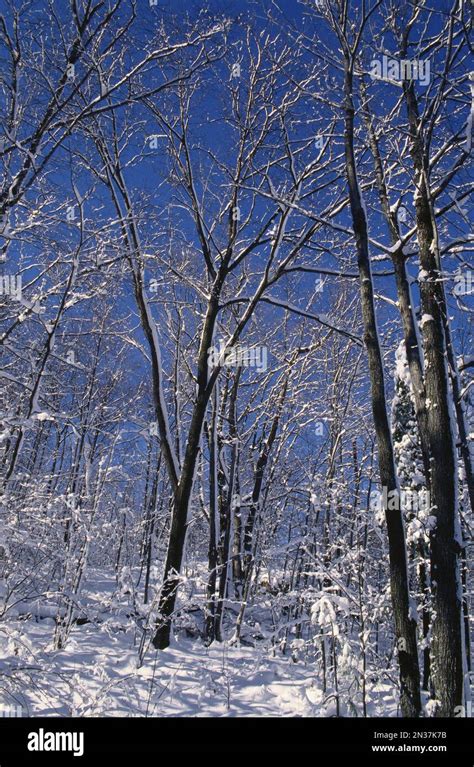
(236, 303)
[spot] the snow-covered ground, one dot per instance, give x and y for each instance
(97, 673)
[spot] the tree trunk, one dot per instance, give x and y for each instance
(447, 655)
(405, 626)
(182, 498)
(214, 531)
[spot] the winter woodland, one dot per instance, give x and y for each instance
(236, 358)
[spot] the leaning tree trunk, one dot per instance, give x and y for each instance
(182, 496)
(405, 626)
(259, 477)
(405, 300)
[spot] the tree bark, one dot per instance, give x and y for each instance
(447, 655)
(405, 626)
(179, 518)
